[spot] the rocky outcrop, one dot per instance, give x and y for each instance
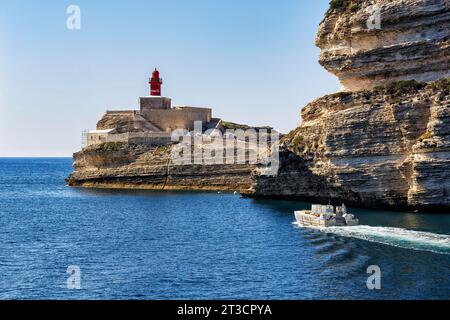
(369, 43)
(385, 140)
(389, 147)
(126, 122)
(137, 166)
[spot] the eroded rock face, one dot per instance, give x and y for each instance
(125, 122)
(126, 166)
(413, 41)
(382, 148)
(386, 141)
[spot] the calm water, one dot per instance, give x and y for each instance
(149, 245)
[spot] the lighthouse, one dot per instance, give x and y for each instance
(155, 84)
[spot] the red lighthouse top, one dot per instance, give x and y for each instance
(155, 84)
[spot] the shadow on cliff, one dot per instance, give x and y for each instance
(296, 182)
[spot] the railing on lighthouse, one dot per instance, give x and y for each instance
(84, 138)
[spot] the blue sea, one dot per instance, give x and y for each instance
(187, 245)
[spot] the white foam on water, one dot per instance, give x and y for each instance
(403, 238)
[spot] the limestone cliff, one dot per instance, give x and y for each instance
(389, 147)
(137, 164)
(370, 43)
(132, 166)
(385, 140)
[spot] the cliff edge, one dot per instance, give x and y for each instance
(138, 166)
(384, 142)
(386, 148)
(369, 43)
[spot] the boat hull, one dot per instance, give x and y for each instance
(306, 219)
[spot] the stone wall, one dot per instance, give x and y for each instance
(160, 103)
(159, 112)
(179, 118)
(144, 138)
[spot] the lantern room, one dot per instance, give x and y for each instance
(155, 84)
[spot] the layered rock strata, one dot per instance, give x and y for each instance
(369, 43)
(131, 166)
(388, 147)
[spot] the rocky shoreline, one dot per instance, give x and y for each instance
(140, 167)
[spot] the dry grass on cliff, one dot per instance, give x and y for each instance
(344, 5)
(427, 135)
(112, 146)
(443, 84)
(397, 88)
(294, 140)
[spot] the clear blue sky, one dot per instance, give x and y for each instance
(252, 61)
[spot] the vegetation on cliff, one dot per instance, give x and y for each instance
(386, 147)
(397, 88)
(234, 126)
(393, 89)
(443, 84)
(427, 135)
(342, 5)
(111, 146)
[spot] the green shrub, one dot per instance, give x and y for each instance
(338, 4)
(297, 142)
(443, 84)
(111, 146)
(234, 126)
(162, 149)
(355, 6)
(342, 5)
(404, 86)
(427, 135)
(342, 95)
(290, 136)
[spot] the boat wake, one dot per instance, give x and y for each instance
(403, 238)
